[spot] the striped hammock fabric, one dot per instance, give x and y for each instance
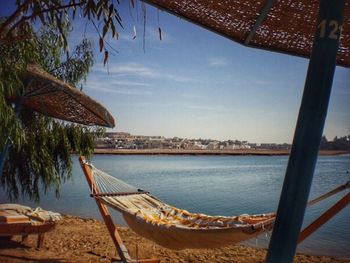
(171, 227)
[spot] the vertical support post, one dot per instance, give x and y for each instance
(309, 129)
(40, 241)
(117, 240)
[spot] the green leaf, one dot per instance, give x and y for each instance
(105, 29)
(118, 18)
(101, 44)
(160, 33)
(105, 59)
(110, 10)
(113, 29)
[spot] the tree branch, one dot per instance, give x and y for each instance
(13, 16)
(24, 18)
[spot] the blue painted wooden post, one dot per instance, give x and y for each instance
(308, 133)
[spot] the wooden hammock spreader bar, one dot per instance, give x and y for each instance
(263, 223)
(337, 207)
(118, 194)
(117, 240)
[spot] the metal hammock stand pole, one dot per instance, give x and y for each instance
(113, 231)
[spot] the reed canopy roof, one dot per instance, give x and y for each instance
(284, 26)
(48, 95)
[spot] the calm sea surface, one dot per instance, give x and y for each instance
(216, 185)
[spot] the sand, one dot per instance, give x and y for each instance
(86, 240)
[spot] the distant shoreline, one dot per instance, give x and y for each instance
(209, 152)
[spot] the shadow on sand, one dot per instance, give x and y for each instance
(8, 247)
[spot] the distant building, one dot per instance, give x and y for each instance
(124, 140)
(117, 135)
(274, 146)
(213, 146)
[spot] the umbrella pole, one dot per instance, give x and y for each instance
(308, 132)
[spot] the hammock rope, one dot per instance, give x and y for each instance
(109, 184)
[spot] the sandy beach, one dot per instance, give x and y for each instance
(86, 240)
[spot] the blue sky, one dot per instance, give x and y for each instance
(197, 84)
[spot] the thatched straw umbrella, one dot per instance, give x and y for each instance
(312, 29)
(52, 97)
(282, 26)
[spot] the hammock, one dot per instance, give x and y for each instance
(169, 226)
(178, 229)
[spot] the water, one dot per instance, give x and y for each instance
(217, 185)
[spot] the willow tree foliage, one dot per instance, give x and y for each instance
(40, 146)
(102, 14)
